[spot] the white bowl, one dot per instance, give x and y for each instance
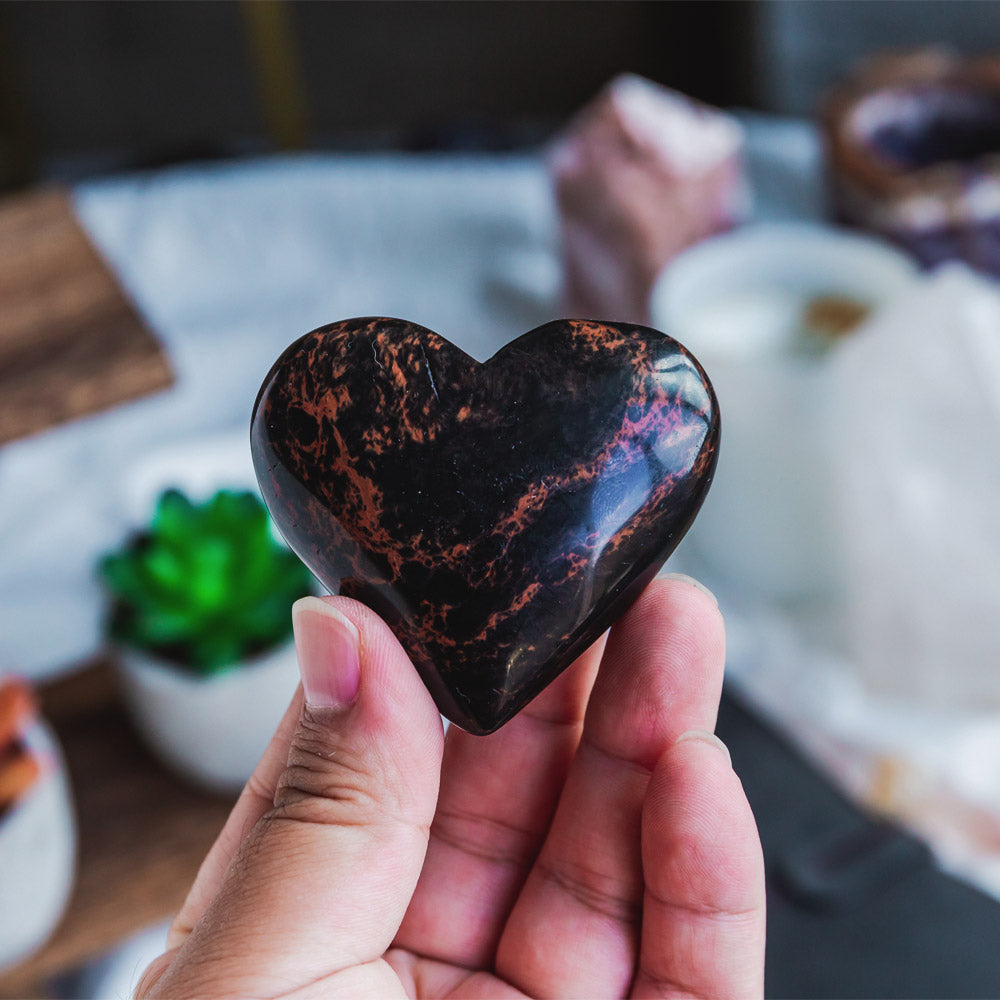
(213, 729)
(38, 854)
(768, 527)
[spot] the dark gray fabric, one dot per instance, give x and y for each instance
(856, 907)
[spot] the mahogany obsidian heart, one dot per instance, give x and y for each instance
(499, 516)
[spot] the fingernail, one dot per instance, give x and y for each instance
(691, 582)
(328, 647)
(704, 736)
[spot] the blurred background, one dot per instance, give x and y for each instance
(92, 87)
(806, 194)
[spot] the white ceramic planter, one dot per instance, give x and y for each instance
(37, 854)
(768, 526)
(211, 730)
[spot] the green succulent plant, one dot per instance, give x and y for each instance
(206, 585)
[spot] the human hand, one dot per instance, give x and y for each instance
(598, 845)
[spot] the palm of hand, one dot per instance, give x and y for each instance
(599, 845)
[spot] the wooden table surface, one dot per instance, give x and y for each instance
(71, 342)
(143, 832)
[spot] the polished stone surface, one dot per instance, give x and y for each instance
(499, 516)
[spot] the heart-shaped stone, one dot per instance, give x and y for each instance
(499, 516)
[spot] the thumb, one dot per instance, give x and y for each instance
(322, 881)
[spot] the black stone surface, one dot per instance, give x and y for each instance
(499, 516)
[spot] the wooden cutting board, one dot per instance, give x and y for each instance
(71, 343)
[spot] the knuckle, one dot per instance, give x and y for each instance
(326, 780)
(594, 891)
(487, 838)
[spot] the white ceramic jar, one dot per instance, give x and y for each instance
(37, 853)
(768, 527)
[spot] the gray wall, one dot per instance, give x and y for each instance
(88, 79)
(803, 46)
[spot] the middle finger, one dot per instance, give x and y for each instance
(498, 794)
(574, 930)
